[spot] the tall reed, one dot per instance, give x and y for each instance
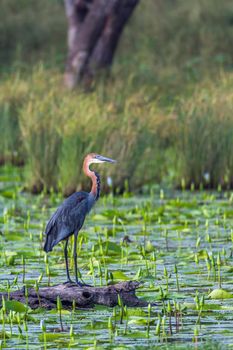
(205, 136)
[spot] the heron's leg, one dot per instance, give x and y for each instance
(75, 258)
(80, 284)
(66, 260)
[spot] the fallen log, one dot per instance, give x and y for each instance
(84, 297)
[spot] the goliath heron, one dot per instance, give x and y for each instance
(68, 219)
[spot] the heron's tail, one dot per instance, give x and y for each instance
(48, 246)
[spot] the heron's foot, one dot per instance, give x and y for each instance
(80, 284)
(69, 281)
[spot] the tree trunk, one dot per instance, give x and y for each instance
(84, 297)
(94, 29)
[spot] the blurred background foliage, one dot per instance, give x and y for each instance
(165, 113)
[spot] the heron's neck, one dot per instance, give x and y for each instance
(95, 189)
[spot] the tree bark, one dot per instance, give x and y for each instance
(105, 48)
(94, 29)
(84, 297)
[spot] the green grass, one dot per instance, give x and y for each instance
(205, 134)
(52, 129)
(58, 128)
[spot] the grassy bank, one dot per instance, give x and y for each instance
(52, 129)
(59, 127)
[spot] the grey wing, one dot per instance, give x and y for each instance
(67, 219)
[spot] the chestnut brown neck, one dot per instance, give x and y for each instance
(95, 189)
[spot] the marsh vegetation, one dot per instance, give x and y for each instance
(177, 244)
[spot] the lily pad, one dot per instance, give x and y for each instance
(220, 294)
(16, 306)
(119, 276)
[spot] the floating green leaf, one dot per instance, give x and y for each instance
(220, 294)
(16, 306)
(119, 275)
(52, 336)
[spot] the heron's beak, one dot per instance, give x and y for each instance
(105, 159)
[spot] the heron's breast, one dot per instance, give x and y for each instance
(90, 202)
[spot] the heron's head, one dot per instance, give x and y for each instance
(97, 158)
